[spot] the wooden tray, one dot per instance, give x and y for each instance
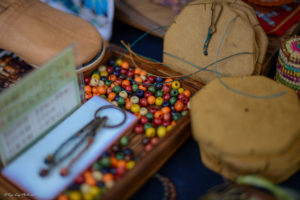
(149, 161)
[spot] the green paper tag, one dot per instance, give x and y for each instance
(36, 104)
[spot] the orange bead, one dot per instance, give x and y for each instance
(151, 100)
(102, 90)
(143, 87)
(187, 93)
(138, 79)
(87, 174)
(87, 89)
(91, 181)
(165, 110)
(94, 90)
(137, 70)
(114, 161)
(173, 123)
(128, 105)
(112, 85)
(112, 77)
(143, 73)
(125, 83)
(179, 106)
(125, 65)
(88, 95)
(158, 114)
(63, 197)
(107, 177)
(121, 163)
(169, 81)
(112, 95)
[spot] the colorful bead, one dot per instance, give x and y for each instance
(123, 94)
(161, 131)
(124, 141)
(135, 108)
(159, 101)
(130, 165)
(75, 195)
(134, 99)
(151, 100)
(176, 84)
(143, 111)
(102, 68)
(150, 132)
(139, 129)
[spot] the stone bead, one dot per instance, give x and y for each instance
(97, 175)
(94, 82)
(115, 103)
(134, 99)
(143, 111)
(123, 94)
(102, 68)
(100, 83)
(85, 188)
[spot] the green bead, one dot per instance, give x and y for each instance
(151, 89)
(135, 87)
(120, 156)
(103, 96)
(105, 162)
(124, 141)
(96, 166)
(183, 113)
(174, 93)
(176, 116)
(150, 116)
(173, 100)
(147, 125)
(108, 82)
(121, 101)
(159, 93)
(117, 89)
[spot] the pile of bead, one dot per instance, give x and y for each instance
(156, 101)
(288, 64)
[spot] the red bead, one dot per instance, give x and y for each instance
(120, 170)
(110, 69)
(87, 80)
(180, 96)
(152, 110)
(79, 179)
(123, 71)
(167, 117)
(166, 88)
(185, 100)
(157, 121)
(147, 94)
(166, 123)
(144, 120)
(128, 88)
(119, 81)
(139, 129)
(109, 90)
(130, 73)
(167, 96)
(151, 78)
(143, 102)
(64, 171)
(148, 147)
(154, 140)
(147, 82)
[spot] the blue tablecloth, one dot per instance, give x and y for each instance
(185, 169)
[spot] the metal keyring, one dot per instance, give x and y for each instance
(114, 107)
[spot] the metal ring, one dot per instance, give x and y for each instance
(114, 107)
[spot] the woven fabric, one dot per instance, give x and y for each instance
(288, 64)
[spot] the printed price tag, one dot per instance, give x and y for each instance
(36, 104)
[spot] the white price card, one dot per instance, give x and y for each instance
(36, 104)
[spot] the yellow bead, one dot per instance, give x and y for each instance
(135, 108)
(95, 191)
(159, 101)
(169, 127)
(176, 84)
(104, 73)
(143, 111)
(130, 164)
(161, 131)
(119, 62)
(180, 90)
(150, 132)
(88, 196)
(95, 76)
(75, 195)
